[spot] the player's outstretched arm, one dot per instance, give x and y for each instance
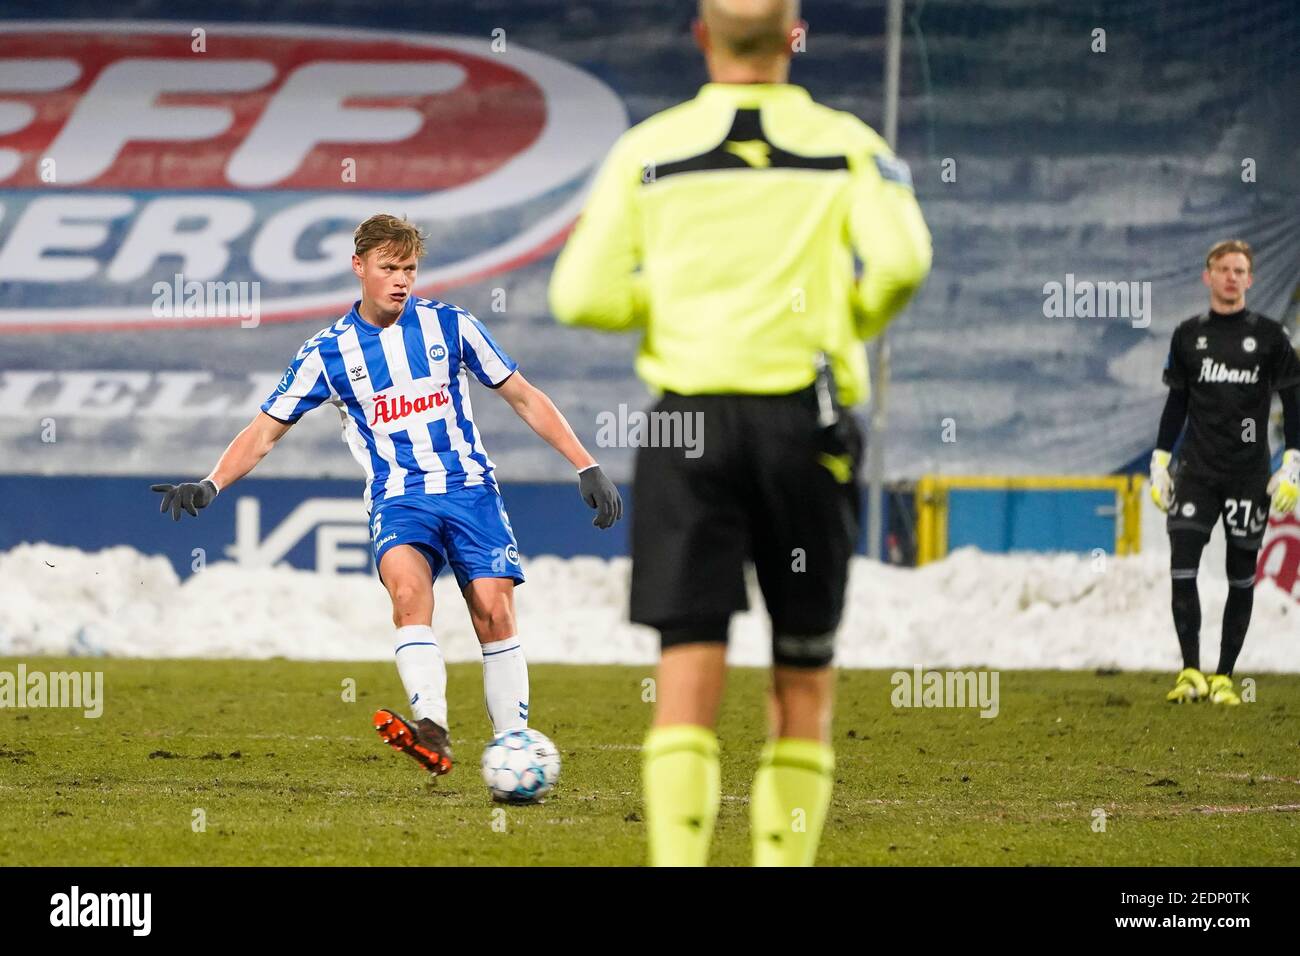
(540, 414)
(240, 457)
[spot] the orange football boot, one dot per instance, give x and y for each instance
(426, 742)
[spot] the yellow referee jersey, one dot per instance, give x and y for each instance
(724, 230)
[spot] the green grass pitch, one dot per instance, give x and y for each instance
(285, 771)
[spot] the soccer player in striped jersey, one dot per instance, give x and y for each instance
(397, 368)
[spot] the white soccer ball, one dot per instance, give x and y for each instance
(520, 766)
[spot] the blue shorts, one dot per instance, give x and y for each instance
(467, 529)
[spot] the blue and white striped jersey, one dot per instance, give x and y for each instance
(403, 396)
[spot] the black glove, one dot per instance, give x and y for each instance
(191, 496)
(844, 438)
(599, 493)
(839, 433)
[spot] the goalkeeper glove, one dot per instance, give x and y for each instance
(1162, 486)
(1284, 486)
(190, 496)
(599, 493)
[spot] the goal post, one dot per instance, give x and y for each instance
(880, 353)
(1028, 513)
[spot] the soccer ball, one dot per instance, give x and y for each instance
(520, 766)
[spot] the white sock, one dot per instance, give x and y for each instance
(423, 672)
(505, 684)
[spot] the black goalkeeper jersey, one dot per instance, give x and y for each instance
(1230, 365)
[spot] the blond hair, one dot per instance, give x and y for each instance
(382, 229)
(1227, 246)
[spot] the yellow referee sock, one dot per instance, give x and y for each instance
(682, 782)
(787, 808)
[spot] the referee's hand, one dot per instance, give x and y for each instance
(599, 493)
(189, 496)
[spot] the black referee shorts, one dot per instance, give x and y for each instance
(760, 490)
(1242, 502)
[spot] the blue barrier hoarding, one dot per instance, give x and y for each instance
(305, 523)
(997, 521)
(309, 523)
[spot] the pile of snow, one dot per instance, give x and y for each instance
(971, 609)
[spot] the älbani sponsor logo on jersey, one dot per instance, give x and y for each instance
(389, 408)
(127, 158)
(1212, 371)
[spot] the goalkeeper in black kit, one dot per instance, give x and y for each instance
(1222, 370)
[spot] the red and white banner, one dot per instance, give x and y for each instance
(1280, 557)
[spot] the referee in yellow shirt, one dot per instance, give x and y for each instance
(723, 231)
